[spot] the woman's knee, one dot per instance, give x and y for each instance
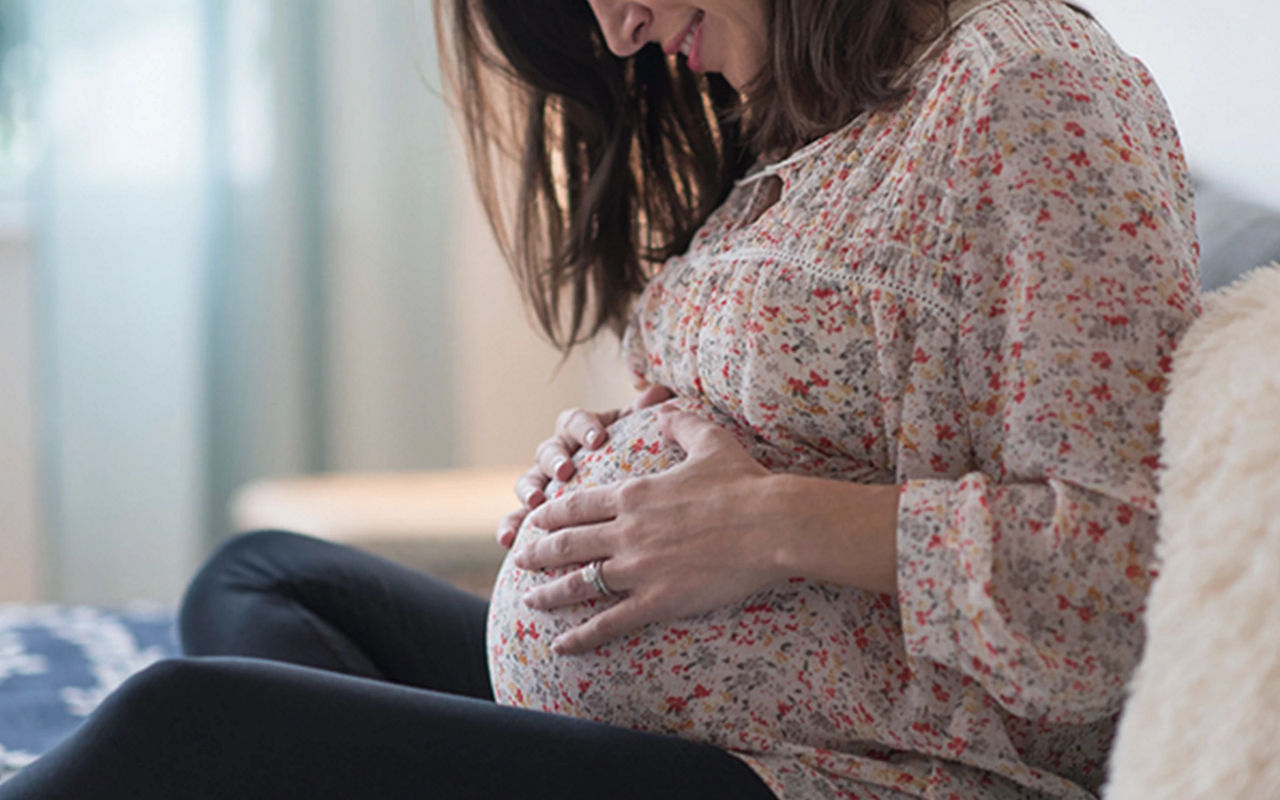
(249, 562)
(179, 704)
(138, 739)
(155, 698)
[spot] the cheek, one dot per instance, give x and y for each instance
(744, 62)
(747, 47)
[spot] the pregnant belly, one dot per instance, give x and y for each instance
(797, 662)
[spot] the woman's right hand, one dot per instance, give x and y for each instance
(553, 458)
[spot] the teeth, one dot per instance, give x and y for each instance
(687, 45)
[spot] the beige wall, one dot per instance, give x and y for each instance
(509, 390)
(403, 358)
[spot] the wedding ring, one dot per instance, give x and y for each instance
(593, 574)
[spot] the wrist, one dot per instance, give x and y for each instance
(833, 531)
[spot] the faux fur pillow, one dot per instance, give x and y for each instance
(1203, 718)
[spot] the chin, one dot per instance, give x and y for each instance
(737, 79)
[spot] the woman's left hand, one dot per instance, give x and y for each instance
(681, 542)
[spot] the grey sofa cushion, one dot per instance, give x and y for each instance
(1236, 235)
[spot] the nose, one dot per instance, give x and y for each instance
(626, 26)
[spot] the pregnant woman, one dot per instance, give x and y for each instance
(899, 282)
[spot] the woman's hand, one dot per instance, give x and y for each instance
(575, 429)
(691, 539)
(705, 534)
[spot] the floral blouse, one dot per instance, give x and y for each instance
(974, 295)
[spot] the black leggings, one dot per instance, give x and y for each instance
(385, 695)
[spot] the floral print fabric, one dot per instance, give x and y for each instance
(975, 296)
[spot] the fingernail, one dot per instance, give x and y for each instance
(560, 465)
(558, 645)
(528, 599)
(593, 436)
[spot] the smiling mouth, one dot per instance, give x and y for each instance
(684, 45)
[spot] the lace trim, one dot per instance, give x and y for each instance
(934, 304)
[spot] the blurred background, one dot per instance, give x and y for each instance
(237, 239)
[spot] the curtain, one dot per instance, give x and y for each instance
(238, 232)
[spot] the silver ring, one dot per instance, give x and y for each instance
(593, 574)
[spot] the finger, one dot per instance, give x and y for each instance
(567, 590)
(657, 393)
(553, 458)
(583, 507)
(604, 627)
(509, 525)
(577, 427)
(570, 546)
(695, 435)
(531, 486)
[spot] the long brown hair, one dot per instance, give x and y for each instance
(620, 161)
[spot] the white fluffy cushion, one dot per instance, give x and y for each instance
(1203, 718)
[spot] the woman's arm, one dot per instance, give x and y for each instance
(842, 533)
(1078, 276)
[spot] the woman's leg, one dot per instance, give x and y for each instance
(286, 597)
(244, 729)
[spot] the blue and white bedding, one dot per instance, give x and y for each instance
(58, 662)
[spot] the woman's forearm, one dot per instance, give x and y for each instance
(833, 531)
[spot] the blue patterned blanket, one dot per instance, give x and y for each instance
(58, 662)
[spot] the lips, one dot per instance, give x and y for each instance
(687, 38)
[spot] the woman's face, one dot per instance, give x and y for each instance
(725, 36)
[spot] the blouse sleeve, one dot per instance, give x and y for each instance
(1078, 273)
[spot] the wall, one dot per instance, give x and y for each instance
(388, 276)
(510, 384)
(1218, 65)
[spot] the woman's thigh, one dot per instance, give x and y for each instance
(233, 728)
(286, 597)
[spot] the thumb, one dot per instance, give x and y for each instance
(695, 434)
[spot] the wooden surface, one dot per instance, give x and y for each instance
(442, 522)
